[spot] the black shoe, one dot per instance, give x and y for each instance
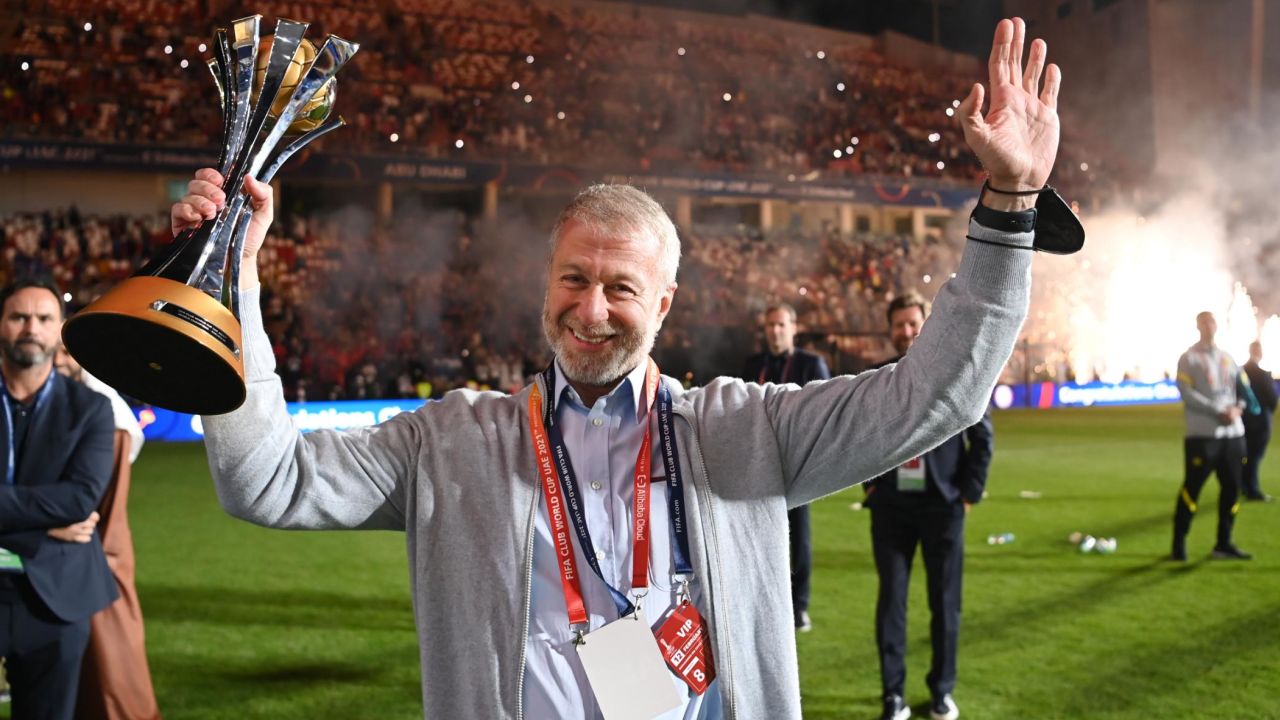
(1230, 552)
(895, 708)
(803, 623)
(1260, 497)
(1179, 553)
(943, 708)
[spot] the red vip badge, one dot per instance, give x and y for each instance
(686, 646)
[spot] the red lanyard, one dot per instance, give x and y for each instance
(557, 513)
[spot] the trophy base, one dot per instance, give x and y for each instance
(162, 342)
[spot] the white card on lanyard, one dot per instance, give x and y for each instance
(626, 671)
(911, 475)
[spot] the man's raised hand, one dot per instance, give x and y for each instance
(1017, 139)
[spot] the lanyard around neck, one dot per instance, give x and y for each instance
(564, 504)
(41, 395)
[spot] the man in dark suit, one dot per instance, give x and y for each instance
(784, 363)
(1257, 428)
(923, 502)
(56, 446)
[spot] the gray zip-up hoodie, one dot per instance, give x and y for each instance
(458, 476)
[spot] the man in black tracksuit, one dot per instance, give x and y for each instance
(784, 363)
(924, 502)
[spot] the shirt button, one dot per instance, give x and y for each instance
(597, 422)
(599, 554)
(595, 485)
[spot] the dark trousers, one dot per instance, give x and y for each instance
(1226, 457)
(1257, 434)
(938, 528)
(42, 653)
(801, 559)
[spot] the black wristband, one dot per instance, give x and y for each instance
(1020, 222)
(986, 185)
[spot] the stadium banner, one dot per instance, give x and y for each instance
(869, 190)
(36, 154)
(865, 189)
(163, 425)
(1094, 394)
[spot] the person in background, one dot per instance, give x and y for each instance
(1214, 443)
(924, 502)
(1257, 426)
(53, 573)
(115, 680)
(784, 363)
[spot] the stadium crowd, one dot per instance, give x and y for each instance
(529, 81)
(358, 312)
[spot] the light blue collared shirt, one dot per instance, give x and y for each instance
(603, 442)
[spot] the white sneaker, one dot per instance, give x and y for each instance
(944, 708)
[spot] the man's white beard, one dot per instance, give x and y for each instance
(630, 347)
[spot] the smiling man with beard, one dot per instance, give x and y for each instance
(553, 534)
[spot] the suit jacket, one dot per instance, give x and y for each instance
(802, 367)
(956, 470)
(1264, 389)
(63, 470)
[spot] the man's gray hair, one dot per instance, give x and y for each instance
(624, 210)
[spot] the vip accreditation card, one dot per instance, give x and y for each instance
(686, 646)
(911, 475)
(626, 671)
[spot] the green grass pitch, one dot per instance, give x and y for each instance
(250, 623)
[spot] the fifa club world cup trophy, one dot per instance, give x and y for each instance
(170, 335)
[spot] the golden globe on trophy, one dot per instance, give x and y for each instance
(170, 335)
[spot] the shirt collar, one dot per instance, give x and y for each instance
(632, 383)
